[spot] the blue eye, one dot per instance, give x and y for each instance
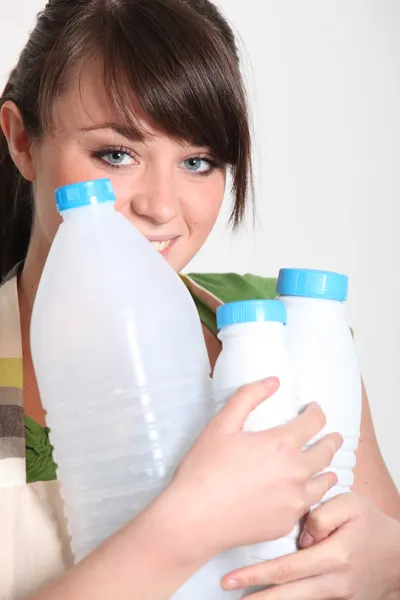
(118, 158)
(196, 164)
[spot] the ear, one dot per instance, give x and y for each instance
(19, 142)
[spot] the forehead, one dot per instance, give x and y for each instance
(84, 103)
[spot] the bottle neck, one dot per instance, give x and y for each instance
(92, 210)
(268, 330)
(313, 304)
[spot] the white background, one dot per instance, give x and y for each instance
(324, 83)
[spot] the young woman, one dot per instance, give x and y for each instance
(149, 94)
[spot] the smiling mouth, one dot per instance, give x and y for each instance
(164, 246)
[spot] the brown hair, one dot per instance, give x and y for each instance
(177, 58)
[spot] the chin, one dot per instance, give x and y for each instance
(175, 265)
(175, 258)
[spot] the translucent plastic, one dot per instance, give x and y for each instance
(325, 370)
(253, 351)
(122, 370)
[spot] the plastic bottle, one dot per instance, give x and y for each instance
(121, 364)
(323, 358)
(253, 335)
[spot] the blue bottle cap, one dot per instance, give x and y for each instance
(85, 193)
(250, 311)
(309, 283)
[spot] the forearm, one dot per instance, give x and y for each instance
(393, 561)
(149, 559)
(372, 478)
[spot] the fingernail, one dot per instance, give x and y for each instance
(231, 584)
(314, 405)
(306, 539)
(307, 407)
(271, 382)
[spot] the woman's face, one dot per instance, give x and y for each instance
(168, 189)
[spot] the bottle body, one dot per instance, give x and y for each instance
(325, 369)
(254, 351)
(122, 370)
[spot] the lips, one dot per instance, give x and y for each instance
(161, 246)
(164, 246)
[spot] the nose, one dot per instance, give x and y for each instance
(157, 201)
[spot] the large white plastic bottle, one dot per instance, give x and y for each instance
(323, 358)
(253, 335)
(121, 365)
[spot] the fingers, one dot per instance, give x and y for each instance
(325, 519)
(317, 487)
(307, 425)
(320, 455)
(285, 570)
(234, 414)
(324, 587)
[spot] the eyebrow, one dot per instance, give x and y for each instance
(130, 133)
(124, 130)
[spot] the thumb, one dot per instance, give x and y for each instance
(232, 417)
(328, 517)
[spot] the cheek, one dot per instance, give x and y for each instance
(47, 219)
(55, 167)
(202, 208)
(63, 164)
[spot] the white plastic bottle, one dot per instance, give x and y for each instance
(253, 336)
(323, 358)
(121, 365)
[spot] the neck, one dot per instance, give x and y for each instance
(28, 281)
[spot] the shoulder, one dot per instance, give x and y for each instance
(231, 287)
(210, 290)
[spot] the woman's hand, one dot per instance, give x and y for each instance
(232, 488)
(352, 553)
(239, 487)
